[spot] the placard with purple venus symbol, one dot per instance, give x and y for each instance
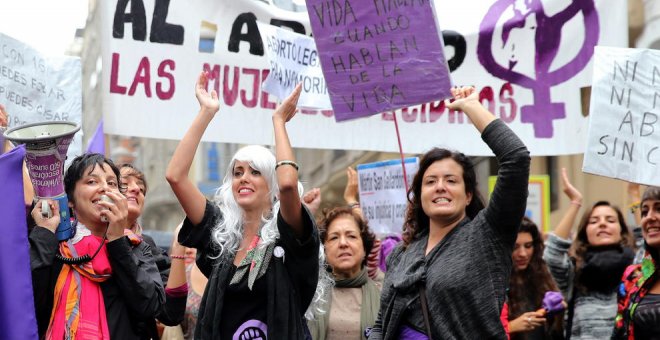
(379, 55)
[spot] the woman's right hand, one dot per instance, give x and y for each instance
(48, 223)
(571, 192)
(208, 102)
(526, 322)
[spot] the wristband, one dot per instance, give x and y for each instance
(292, 163)
(178, 257)
(354, 205)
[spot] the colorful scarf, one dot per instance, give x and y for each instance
(255, 262)
(631, 291)
(71, 319)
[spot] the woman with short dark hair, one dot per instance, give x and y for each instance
(102, 283)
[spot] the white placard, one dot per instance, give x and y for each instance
(37, 88)
(383, 193)
(293, 59)
(624, 129)
(151, 62)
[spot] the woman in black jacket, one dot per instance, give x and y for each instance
(118, 287)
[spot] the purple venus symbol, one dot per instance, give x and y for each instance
(547, 36)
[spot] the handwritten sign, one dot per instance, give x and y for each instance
(379, 55)
(35, 88)
(624, 135)
(383, 193)
(294, 59)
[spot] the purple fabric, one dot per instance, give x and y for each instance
(17, 303)
(97, 143)
(386, 247)
(552, 302)
(408, 333)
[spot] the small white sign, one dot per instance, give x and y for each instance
(383, 193)
(293, 59)
(624, 127)
(36, 88)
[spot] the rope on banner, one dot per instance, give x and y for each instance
(403, 162)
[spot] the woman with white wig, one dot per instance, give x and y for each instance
(257, 243)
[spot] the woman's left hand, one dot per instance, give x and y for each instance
(287, 109)
(116, 214)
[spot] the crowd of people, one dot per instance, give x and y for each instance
(253, 262)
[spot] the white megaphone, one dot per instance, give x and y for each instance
(46, 145)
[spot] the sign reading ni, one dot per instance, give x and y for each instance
(379, 55)
(623, 141)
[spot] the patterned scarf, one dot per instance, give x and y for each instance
(255, 262)
(71, 319)
(631, 291)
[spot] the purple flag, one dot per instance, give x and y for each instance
(379, 55)
(97, 143)
(16, 301)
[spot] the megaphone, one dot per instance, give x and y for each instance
(46, 145)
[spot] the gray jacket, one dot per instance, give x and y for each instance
(467, 273)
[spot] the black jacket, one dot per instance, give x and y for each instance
(291, 279)
(132, 296)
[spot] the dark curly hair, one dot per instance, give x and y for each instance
(77, 169)
(368, 237)
(581, 244)
(533, 282)
(416, 219)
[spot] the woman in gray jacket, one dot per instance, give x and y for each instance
(448, 280)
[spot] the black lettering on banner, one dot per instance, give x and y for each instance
(252, 36)
(457, 41)
(161, 31)
(648, 123)
(625, 72)
(293, 25)
(136, 16)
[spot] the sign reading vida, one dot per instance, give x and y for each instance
(379, 55)
(625, 104)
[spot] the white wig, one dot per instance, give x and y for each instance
(227, 235)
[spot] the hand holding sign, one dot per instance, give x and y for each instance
(208, 103)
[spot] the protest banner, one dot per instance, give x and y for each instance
(37, 88)
(625, 104)
(383, 193)
(538, 200)
(293, 59)
(379, 55)
(151, 63)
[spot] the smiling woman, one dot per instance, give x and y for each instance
(453, 247)
(588, 269)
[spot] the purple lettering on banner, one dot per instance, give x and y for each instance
(547, 39)
(379, 55)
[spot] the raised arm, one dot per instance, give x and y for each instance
(287, 172)
(190, 197)
(563, 229)
(634, 200)
(509, 198)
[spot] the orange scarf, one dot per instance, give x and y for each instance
(71, 319)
